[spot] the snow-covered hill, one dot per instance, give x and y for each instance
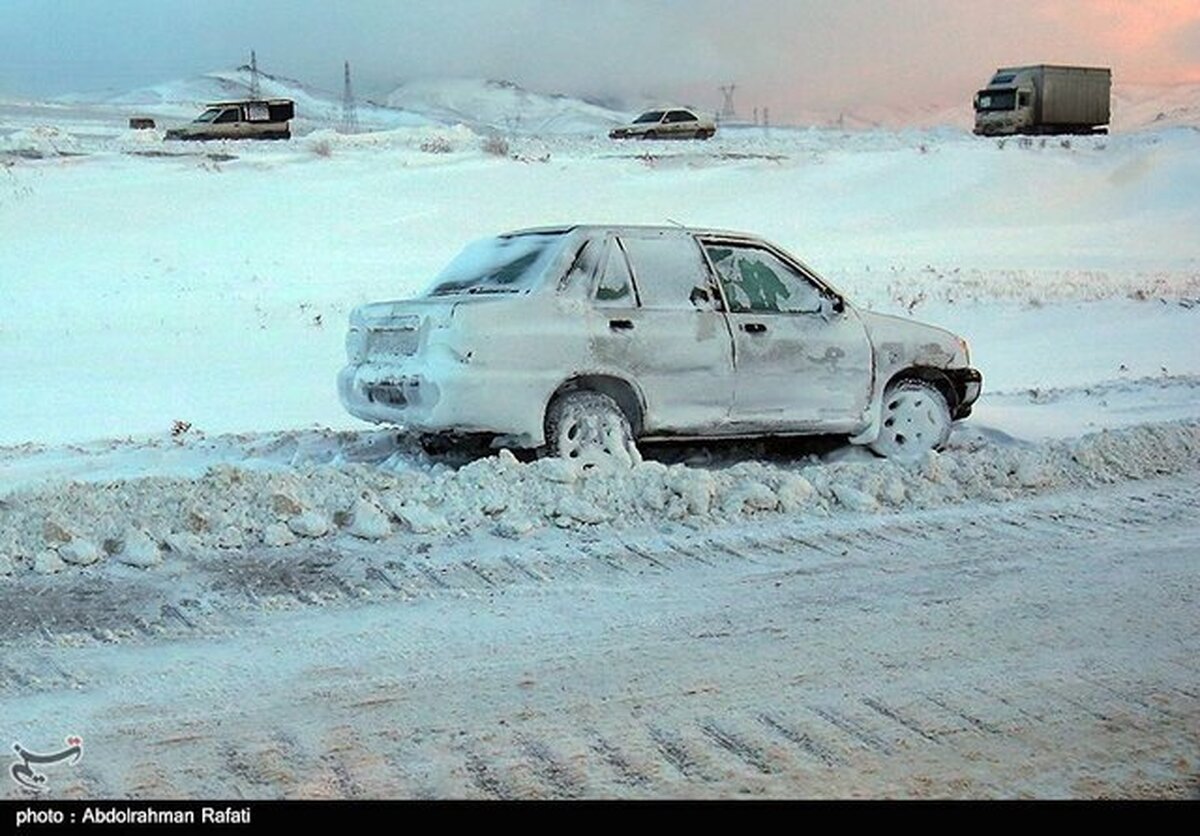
(1134, 107)
(1165, 105)
(502, 106)
(182, 97)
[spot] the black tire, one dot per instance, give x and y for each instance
(914, 417)
(591, 429)
(650, 135)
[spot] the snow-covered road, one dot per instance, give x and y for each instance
(1045, 647)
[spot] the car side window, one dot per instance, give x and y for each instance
(669, 272)
(228, 115)
(757, 281)
(583, 267)
(615, 286)
(680, 116)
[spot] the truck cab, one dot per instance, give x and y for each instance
(1005, 106)
(266, 119)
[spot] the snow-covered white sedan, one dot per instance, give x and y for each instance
(668, 123)
(580, 340)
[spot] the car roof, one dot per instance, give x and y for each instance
(625, 229)
(251, 102)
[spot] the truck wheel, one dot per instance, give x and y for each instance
(914, 417)
(591, 429)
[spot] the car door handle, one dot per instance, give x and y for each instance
(620, 325)
(754, 328)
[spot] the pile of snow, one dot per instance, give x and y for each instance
(502, 106)
(430, 140)
(138, 521)
(40, 141)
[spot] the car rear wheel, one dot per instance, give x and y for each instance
(914, 418)
(590, 429)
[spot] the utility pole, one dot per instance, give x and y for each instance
(255, 92)
(349, 109)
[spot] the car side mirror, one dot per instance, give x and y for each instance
(832, 305)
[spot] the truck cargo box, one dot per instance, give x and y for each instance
(1073, 95)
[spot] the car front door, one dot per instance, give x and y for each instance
(802, 358)
(654, 319)
(227, 124)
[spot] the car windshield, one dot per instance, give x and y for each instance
(209, 115)
(512, 264)
(996, 100)
(649, 116)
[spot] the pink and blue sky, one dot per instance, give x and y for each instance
(790, 55)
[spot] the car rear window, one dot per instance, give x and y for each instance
(510, 264)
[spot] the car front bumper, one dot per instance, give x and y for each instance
(968, 384)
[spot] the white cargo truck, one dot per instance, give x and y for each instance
(1044, 99)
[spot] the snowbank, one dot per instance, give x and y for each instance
(41, 141)
(138, 521)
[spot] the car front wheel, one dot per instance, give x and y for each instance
(914, 418)
(589, 428)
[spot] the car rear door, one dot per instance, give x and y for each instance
(680, 123)
(802, 361)
(654, 320)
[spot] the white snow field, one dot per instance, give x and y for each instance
(199, 546)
